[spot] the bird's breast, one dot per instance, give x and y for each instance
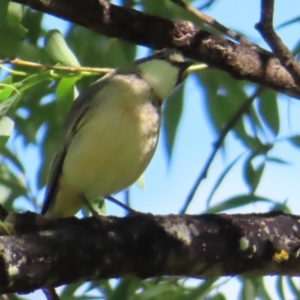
(112, 147)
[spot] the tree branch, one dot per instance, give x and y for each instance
(41, 252)
(213, 23)
(241, 61)
(266, 29)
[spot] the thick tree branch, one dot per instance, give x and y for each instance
(213, 23)
(241, 61)
(42, 252)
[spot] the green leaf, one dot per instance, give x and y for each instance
(6, 129)
(251, 175)
(14, 17)
(140, 182)
(33, 80)
(279, 287)
(237, 201)
(117, 53)
(293, 287)
(102, 285)
(223, 98)
(57, 48)
(6, 91)
(15, 184)
(5, 105)
(294, 140)
(268, 109)
(69, 290)
(220, 179)
(218, 297)
(163, 290)
(8, 154)
(248, 290)
(171, 120)
(290, 22)
(125, 289)
(66, 93)
(202, 290)
(277, 160)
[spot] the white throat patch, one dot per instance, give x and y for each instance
(161, 75)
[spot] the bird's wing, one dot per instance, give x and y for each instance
(53, 181)
(77, 111)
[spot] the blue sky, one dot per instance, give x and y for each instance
(168, 185)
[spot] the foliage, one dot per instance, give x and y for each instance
(34, 102)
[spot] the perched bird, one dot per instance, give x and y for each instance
(111, 132)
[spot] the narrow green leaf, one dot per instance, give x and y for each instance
(125, 288)
(5, 91)
(268, 109)
(171, 120)
(6, 128)
(14, 17)
(202, 290)
(11, 181)
(293, 287)
(140, 182)
(7, 153)
(294, 140)
(260, 288)
(248, 290)
(117, 53)
(57, 48)
(289, 22)
(279, 287)
(220, 179)
(69, 290)
(219, 296)
(66, 93)
(162, 291)
(252, 176)
(5, 105)
(237, 201)
(277, 160)
(101, 285)
(32, 80)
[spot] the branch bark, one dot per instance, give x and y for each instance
(40, 252)
(266, 29)
(241, 61)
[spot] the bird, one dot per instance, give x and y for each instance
(111, 132)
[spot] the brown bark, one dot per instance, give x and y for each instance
(41, 252)
(241, 61)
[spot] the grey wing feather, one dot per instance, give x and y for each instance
(53, 185)
(78, 109)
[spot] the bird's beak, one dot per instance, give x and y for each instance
(183, 66)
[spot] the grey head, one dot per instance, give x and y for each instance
(163, 70)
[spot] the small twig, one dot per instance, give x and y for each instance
(127, 197)
(266, 29)
(50, 293)
(19, 62)
(124, 206)
(213, 23)
(230, 124)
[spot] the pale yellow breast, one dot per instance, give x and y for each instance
(114, 144)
